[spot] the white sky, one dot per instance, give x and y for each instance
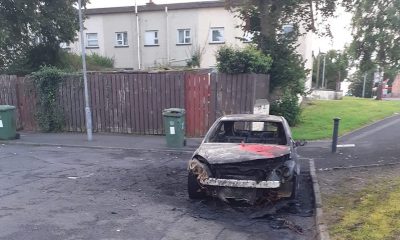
(339, 26)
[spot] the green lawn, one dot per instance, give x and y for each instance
(317, 116)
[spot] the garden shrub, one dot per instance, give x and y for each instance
(48, 114)
(288, 107)
(246, 60)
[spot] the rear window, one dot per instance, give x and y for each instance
(249, 132)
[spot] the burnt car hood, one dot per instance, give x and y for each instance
(220, 153)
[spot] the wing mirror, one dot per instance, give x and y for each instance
(300, 143)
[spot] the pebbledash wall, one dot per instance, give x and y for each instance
(199, 18)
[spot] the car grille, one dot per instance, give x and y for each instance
(257, 170)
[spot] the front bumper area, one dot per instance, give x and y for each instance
(240, 183)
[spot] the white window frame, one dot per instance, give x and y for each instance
(187, 37)
(123, 41)
(151, 42)
(220, 29)
(88, 40)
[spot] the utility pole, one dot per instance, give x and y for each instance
(138, 37)
(318, 67)
(87, 107)
(323, 72)
(363, 91)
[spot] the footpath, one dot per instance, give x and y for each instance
(102, 141)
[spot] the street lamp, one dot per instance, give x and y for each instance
(87, 107)
(323, 72)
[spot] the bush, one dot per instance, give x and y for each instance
(47, 82)
(95, 60)
(246, 60)
(288, 107)
(72, 62)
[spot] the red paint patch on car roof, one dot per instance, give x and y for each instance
(269, 151)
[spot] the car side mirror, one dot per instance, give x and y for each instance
(300, 143)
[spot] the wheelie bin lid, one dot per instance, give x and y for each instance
(174, 112)
(4, 108)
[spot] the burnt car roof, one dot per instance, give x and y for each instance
(251, 117)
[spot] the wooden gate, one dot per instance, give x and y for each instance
(210, 96)
(197, 99)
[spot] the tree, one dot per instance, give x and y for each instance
(266, 19)
(376, 35)
(357, 82)
(336, 69)
(32, 30)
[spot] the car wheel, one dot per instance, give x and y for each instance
(195, 191)
(295, 186)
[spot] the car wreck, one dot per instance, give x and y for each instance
(245, 157)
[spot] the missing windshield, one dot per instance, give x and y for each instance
(265, 132)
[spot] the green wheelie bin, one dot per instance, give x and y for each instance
(174, 125)
(8, 128)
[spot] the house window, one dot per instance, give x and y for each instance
(217, 35)
(92, 40)
(121, 39)
(151, 38)
(184, 36)
(287, 28)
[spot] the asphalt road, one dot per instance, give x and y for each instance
(79, 193)
(376, 144)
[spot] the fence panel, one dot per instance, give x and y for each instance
(133, 102)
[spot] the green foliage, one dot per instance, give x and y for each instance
(31, 31)
(72, 62)
(95, 60)
(336, 68)
(376, 34)
(266, 19)
(194, 61)
(287, 69)
(47, 82)
(356, 86)
(246, 60)
(288, 107)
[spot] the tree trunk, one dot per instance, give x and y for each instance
(270, 11)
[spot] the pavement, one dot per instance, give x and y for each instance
(109, 141)
(373, 145)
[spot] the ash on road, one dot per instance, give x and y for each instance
(79, 193)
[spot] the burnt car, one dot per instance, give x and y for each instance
(245, 157)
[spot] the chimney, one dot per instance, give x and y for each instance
(150, 2)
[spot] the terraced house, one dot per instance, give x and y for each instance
(155, 35)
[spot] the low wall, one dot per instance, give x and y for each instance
(326, 95)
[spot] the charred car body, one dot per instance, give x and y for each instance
(245, 157)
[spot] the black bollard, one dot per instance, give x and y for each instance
(335, 133)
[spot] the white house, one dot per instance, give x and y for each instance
(159, 35)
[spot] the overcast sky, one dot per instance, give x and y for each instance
(339, 26)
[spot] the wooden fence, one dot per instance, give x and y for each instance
(133, 102)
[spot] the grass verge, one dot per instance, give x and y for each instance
(371, 213)
(354, 112)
